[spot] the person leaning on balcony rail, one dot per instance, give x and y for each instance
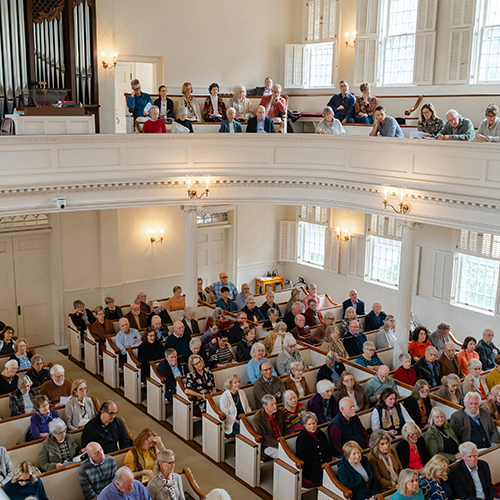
(457, 128)
(385, 125)
(429, 122)
(489, 128)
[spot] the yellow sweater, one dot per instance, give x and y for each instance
(146, 459)
(493, 378)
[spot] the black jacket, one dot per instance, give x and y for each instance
(79, 322)
(413, 410)
(463, 485)
(149, 352)
(403, 450)
(268, 125)
(170, 386)
(194, 330)
(424, 372)
(38, 378)
(109, 436)
(314, 453)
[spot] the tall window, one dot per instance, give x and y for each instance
(489, 60)
(384, 257)
(313, 244)
(320, 64)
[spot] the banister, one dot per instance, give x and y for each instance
(217, 411)
(154, 367)
(244, 420)
(333, 478)
(192, 482)
(408, 112)
(293, 458)
(134, 360)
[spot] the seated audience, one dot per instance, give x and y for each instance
(240, 298)
(269, 412)
(124, 485)
(260, 123)
(332, 369)
(319, 335)
(257, 353)
(214, 288)
(59, 447)
(294, 297)
(487, 350)
(354, 339)
(369, 358)
(272, 319)
(274, 104)
(8, 378)
(153, 125)
(353, 301)
(209, 338)
(466, 354)
(39, 422)
(300, 331)
(493, 403)
(225, 302)
(241, 104)
(6, 342)
(165, 484)
(470, 477)
(165, 105)
(440, 436)
(273, 341)
(95, 472)
(266, 90)
(21, 400)
(126, 337)
(170, 369)
(448, 361)
(150, 349)
(375, 318)
(25, 483)
(429, 122)
(190, 322)
(295, 381)
(333, 342)
(343, 104)
(354, 472)
(472, 423)
(349, 387)
(489, 128)
(405, 373)
(418, 404)
(346, 426)
(494, 376)
(236, 331)
(199, 382)
(252, 311)
(328, 125)
(270, 304)
(192, 108)
(268, 383)
(179, 340)
(137, 100)
(428, 368)
(289, 318)
(384, 460)
(419, 344)
(294, 411)
(233, 402)
(288, 355)
(177, 302)
(386, 337)
(111, 311)
(230, 125)
(107, 429)
(221, 353)
(408, 486)
(412, 451)
(389, 415)
(450, 390)
(186, 124)
(440, 337)
(350, 315)
(58, 386)
(322, 403)
(474, 382)
(145, 307)
(245, 345)
(385, 125)
(102, 327)
(5, 466)
(141, 458)
(82, 316)
(313, 449)
(80, 408)
(37, 373)
(214, 109)
(365, 106)
(21, 354)
(375, 386)
(456, 128)
(195, 347)
(312, 315)
(202, 295)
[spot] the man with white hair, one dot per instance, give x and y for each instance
(427, 367)
(289, 318)
(471, 478)
(162, 332)
(124, 485)
(96, 472)
(353, 301)
(58, 386)
(449, 362)
(275, 104)
(375, 318)
(474, 424)
(456, 128)
(487, 350)
(136, 317)
(269, 422)
(270, 304)
(301, 329)
(126, 337)
(260, 123)
(354, 340)
(440, 337)
(375, 386)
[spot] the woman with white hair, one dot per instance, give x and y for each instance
(328, 125)
(165, 483)
(183, 120)
(322, 403)
(473, 381)
(58, 447)
(296, 381)
(218, 494)
(154, 125)
(293, 410)
(21, 400)
(451, 390)
(350, 315)
(440, 437)
(408, 487)
(233, 402)
(230, 125)
(288, 355)
(253, 367)
(332, 369)
(241, 104)
(8, 377)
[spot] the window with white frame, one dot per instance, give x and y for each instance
(489, 34)
(313, 244)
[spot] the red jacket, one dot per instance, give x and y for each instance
(310, 320)
(407, 377)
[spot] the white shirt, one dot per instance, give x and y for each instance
(215, 104)
(353, 399)
(163, 109)
(376, 420)
(231, 128)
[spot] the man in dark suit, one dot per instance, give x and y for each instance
(136, 317)
(289, 318)
(260, 123)
(465, 476)
(266, 90)
(170, 369)
(353, 301)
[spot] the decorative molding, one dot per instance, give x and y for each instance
(409, 224)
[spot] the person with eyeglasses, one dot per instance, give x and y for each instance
(137, 100)
(165, 483)
(25, 483)
(369, 358)
(106, 429)
(418, 404)
(80, 408)
(252, 311)
(215, 288)
(288, 355)
(59, 447)
(141, 458)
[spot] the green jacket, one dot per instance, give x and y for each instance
(465, 130)
(50, 454)
(435, 442)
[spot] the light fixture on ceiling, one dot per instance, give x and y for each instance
(192, 192)
(403, 207)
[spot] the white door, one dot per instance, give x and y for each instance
(212, 253)
(8, 304)
(124, 74)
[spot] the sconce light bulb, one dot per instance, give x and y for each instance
(115, 55)
(161, 232)
(347, 35)
(386, 192)
(354, 34)
(207, 182)
(103, 54)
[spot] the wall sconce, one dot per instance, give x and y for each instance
(342, 234)
(192, 192)
(105, 65)
(156, 236)
(347, 44)
(403, 208)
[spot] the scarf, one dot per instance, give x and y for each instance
(189, 104)
(390, 421)
(167, 486)
(388, 463)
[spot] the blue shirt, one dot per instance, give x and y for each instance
(138, 103)
(129, 339)
(240, 301)
(175, 370)
(253, 371)
(24, 362)
(349, 103)
(390, 128)
(260, 126)
(215, 287)
(111, 492)
(477, 482)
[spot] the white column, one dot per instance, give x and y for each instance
(404, 288)
(191, 283)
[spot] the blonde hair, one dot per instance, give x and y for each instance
(25, 467)
(349, 446)
(437, 462)
(76, 383)
(228, 383)
(410, 428)
(404, 476)
(190, 362)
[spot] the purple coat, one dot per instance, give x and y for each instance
(324, 414)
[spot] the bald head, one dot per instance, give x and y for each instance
(124, 325)
(383, 373)
(95, 452)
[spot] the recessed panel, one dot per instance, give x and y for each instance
(311, 156)
(379, 160)
(218, 236)
(55, 127)
(202, 237)
(25, 160)
(217, 255)
(457, 168)
(202, 257)
(230, 154)
(156, 156)
(90, 157)
(24, 245)
(493, 171)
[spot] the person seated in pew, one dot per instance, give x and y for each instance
(138, 100)
(165, 484)
(162, 331)
(275, 104)
(82, 316)
(312, 315)
(408, 486)
(214, 109)
(386, 336)
(177, 302)
(295, 381)
(349, 387)
(58, 447)
(440, 337)
(354, 339)
(473, 423)
(353, 301)
(265, 90)
(440, 437)
(196, 348)
(474, 382)
(233, 402)
(154, 125)
(470, 477)
(269, 422)
(343, 104)
(102, 327)
(429, 122)
(209, 338)
(419, 344)
(96, 471)
(375, 386)
(288, 355)
(241, 104)
(126, 337)
(170, 369)
(412, 451)
(365, 106)
(221, 354)
(111, 311)
(375, 318)
(202, 295)
(272, 319)
(165, 105)
(141, 299)
(199, 382)
(487, 350)
(350, 315)
(390, 415)
(385, 125)
(260, 123)
(236, 330)
(273, 341)
(428, 368)
(294, 410)
(333, 342)
(240, 298)
(328, 125)
(80, 408)
(6, 341)
(179, 340)
(289, 318)
(346, 426)
(312, 294)
(405, 373)
(141, 457)
(255, 364)
(369, 358)
(450, 390)
(186, 124)
(268, 383)
(319, 335)
(322, 403)
(252, 311)
(494, 376)
(295, 295)
(448, 361)
(8, 377)
(107, 429)
(418, 404)
(58, 386)
(192, 108)
(151, 349)
(37, 373)
(5, 466)
(136, 317)
(21, 354)
(301, 330)
(355, 473)
(313, 449)
(270, 304)
(39, 422)
(190, 323)
(230, 125)
(456, 128)
(25, 483)
(332, 369)
(384, 460)
(21, 400)
(124, 485)
(225, 302)
(489, 128)
(245, 345)
(493, 403)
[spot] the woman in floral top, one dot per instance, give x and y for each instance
(365, 105)
(199, 382)
(429, 123)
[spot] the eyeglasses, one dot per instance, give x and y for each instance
(23, 481)
(112, 413)
(172, 462)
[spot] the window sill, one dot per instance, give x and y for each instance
(474, 309)
(309, 264)
(380, 283)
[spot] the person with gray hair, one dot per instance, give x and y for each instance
(21, 400)
(254, 366)
(190, 322)
(440, 337)
(58, 386)
(154, 125)
(487, 350)
(451, 390)
(428, 368)
(59, 447)
(471, 478)
(369, 358)
(288, 355)
(241, 104)
(230, 125)
(328, 125)
(457, 128)
(262, 425)
(95, 472)
(440, 438)
(267, 383)
(37, 373)
(384, 460)
(218, 494)
(124, 485)
(489, 128)
(274, 104)
(322, 403)
(270, 304)
(8, 377)
(405, 373)
(474, 382)
(165, 484)
(137, 100)
(182, 119)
